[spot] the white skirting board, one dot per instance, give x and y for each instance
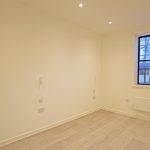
(142, 104)
(133, 115)
(25, 135)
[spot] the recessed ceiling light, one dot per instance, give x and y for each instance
(80, 5)
(110, 22)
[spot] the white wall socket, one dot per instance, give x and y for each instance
(41, 100)
(127, 100)
(41, 110)
(94, 97)
(40, 81)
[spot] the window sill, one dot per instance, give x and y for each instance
(141, 86)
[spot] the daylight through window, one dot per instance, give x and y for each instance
(144, 60)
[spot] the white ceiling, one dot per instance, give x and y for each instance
(96, 13)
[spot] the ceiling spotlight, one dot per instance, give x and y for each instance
(81, 4)
(110, 22)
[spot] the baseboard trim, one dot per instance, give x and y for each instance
(37, 131)
(132, 115)
(119, 112)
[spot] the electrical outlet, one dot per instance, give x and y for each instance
(95, 78)
(94, 97)
(40, 81)
(41, 100)
(127, 100)
(41, 110)
(94, 91)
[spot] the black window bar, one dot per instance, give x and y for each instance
(145, 69)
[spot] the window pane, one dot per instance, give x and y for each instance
(144, 48)
(144, 72)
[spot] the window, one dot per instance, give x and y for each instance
(143, 60)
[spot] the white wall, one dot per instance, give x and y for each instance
(68, 57)
(119, 91)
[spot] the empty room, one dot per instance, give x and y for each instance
(74, 75)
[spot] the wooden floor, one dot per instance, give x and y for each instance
(98, 131)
